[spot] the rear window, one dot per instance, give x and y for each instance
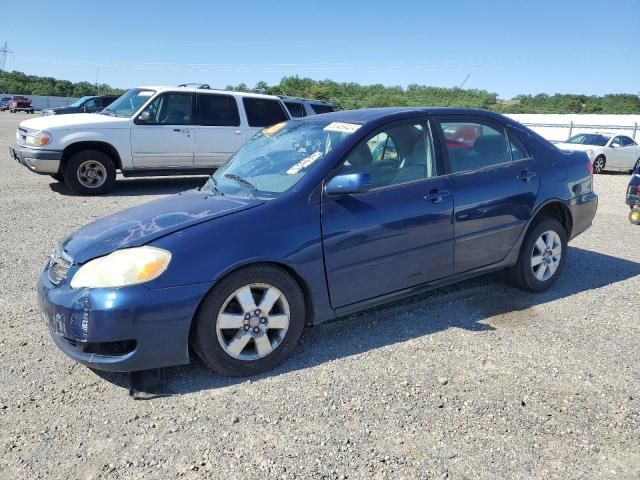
(218, 110)
(296, 109)
(318, 108)
(18, 97)
(262, 112)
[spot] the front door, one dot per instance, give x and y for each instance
(495, 183)
(400, 233)
(162, 135)
(623, 153)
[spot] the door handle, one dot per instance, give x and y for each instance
(237, 132)
(526, 175)
(436, 195)
(177, 130)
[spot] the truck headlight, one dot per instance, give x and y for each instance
(121, 268)
(38, 139)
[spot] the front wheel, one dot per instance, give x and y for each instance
(90, 172)
(599, 164)
(58, 177)
(250, 321)
(542, 256)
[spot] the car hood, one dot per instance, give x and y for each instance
(576, 147)
(144, 223)
(75, 120)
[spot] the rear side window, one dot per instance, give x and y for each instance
(518, 150)
(475, 144)
(218, 111)
(262, 112)
(296, 109)
(319, 108)
(626, 142)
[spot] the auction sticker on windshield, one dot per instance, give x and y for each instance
(342, 127)
(304, 163)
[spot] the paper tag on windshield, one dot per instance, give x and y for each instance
(145, 93)
(342, 127)
(305, 162)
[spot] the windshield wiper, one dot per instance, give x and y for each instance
(212, 185)
(251, 188)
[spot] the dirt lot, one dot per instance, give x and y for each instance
(478, 380)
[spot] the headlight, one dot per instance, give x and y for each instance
(38, 139)
(128, 266)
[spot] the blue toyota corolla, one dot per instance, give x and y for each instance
(310, 220)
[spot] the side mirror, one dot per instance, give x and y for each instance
(614, 145)
(348, 184)
(145, 116)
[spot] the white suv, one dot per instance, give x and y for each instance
(147, 131)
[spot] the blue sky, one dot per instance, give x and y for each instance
(508, 46)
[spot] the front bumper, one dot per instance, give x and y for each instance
(583, 209)
(46, 162)
(121, 329)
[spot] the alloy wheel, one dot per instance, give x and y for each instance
(253, 321)
(91, 174)
(546, 255)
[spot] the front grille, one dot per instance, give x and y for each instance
(59, 265)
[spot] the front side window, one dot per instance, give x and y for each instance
(129, 103)
(218, 110)
(396, 155)
(278, 157)
(262, 112)
(91, 104)
(483, 145)
(175, 108)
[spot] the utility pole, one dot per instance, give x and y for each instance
(465, 80)
(3, 55)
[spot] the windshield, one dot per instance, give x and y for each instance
(278, 157)
(79, 102)
(589, 139)
(130, 102)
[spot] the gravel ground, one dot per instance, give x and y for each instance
(477, 380)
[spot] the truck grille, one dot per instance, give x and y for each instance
(59, 265)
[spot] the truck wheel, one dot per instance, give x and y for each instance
(58, 177)
(542, 256)
(90, 172)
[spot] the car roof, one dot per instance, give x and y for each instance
(164, 88)
(367, 115)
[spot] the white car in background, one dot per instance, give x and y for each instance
(606, 151)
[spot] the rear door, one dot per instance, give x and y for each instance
(165, 140)
(400, 233)
(218, 132)
(262, 112)
(495, 183)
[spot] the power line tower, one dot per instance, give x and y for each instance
(4, 51)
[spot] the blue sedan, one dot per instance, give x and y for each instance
(313, 219)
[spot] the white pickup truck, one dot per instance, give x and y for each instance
(148, 131)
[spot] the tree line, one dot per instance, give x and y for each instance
(349, 95)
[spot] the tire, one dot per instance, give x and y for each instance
(634, 216)
(599, 164)
(58, 177)
(524, 274)
(215, 346)
(90, 167)
(636, 166)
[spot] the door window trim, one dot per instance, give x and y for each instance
(146, 105)
(489, 122)
(424, 120)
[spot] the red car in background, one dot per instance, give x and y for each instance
(18, 103)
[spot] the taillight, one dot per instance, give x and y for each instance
(638, 190)
(589, 166)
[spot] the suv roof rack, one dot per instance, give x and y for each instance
(301, 99)
(204, 86)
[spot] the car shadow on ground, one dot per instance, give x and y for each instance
(482, 305)
(134, 187)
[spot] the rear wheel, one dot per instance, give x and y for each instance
(542, 256)
(250, 321)
(90, 172)
(636, 166)
(599, 164)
